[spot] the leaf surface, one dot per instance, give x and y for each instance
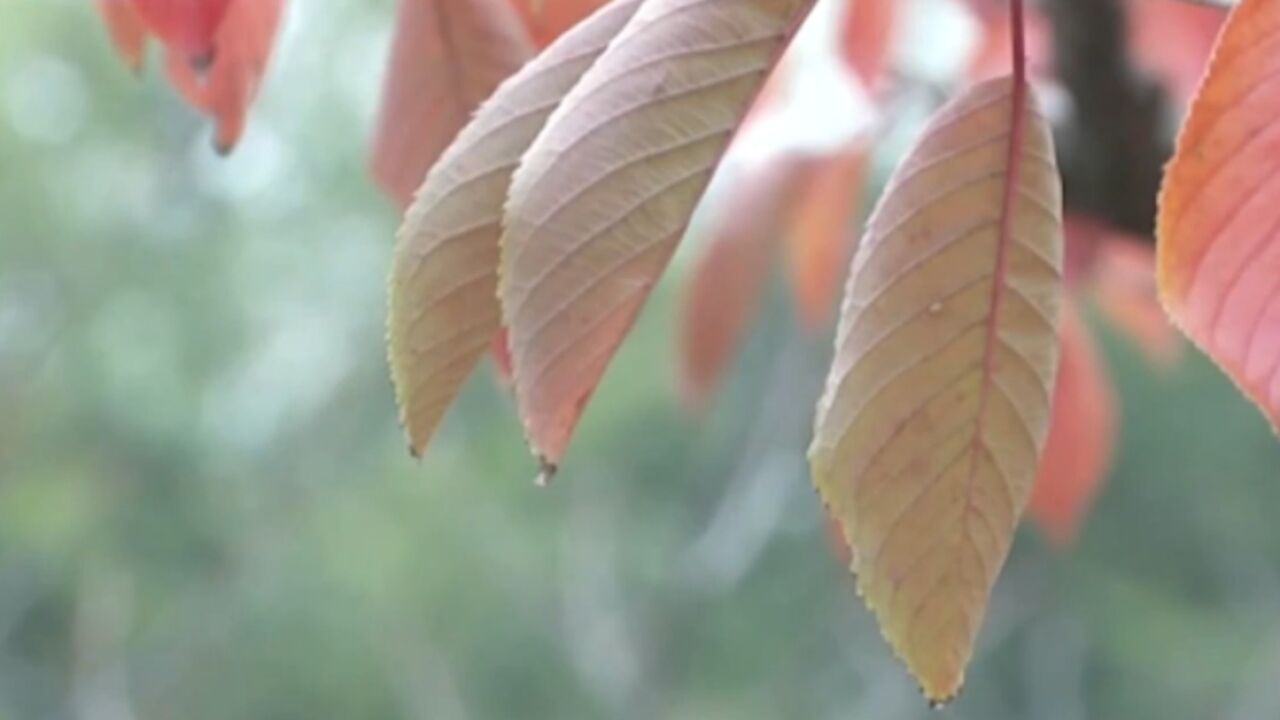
(443, 306)
(187, 27)
(1218, 227)
(447, 56)
(928, 436)
(729, 277)
(605, 192)
(824, 233)
(127, 29)
(1082, 436)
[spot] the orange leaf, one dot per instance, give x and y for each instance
(549, 19)
(446, 58)
(866, 37)
(1218, 259)
(929, 433)
(443, 307)
(242, 48)
(605, 192)
(186, 27)
(1124, 288)
(1077, 453)
(729, 277)
(824, 233)
(127, 29)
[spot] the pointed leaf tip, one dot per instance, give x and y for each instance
(927, 438)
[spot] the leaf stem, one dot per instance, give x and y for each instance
(1019, 29)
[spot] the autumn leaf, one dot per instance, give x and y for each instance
(226, 89)
(1082, 432)
(1218, 255)
(127, 29)
(824, 233)
(1173, 38)
(730, 275)
(446, 58)
(547, 20)
(187, 27)
(928, 436)
(443, 307)
(866, 35)
(1123, 287)
(605, 192)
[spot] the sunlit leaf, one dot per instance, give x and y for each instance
(1082, 436)
(127, 29)
(446, 58)
(928, 436)
(606, 191)
(866, 35)
(1218, 259)
(727, 280)
(549, 19)
(824, 233)
(443, 308)
(227, 88)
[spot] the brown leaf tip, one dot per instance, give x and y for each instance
(939, 703)
(546, 471)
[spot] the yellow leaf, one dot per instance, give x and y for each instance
(443, 308)
(605, 192)
(937, 405)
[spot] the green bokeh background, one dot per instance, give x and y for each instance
(207, 511)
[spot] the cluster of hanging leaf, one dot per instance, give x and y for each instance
(549, 154)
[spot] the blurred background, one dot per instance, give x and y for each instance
(207, 510)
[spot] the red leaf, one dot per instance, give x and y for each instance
(187, 27)
(824, 233)
(867, 36)
(728, 279)
(447, 57)
(1174, 38)
(1077, 455)
(1123, 285)
(127, 29)
(242, 48)
(546, 20)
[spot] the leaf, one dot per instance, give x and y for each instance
(1124, 289)
(547, 20)
(605, 192)
(824, 233)
(127, 29)
(866, 36)
(1218, 255)
(443, 306)
(1173, 38)
(242, 48)
(729, 277)
(928, 436)
(1077, 454)
(446, 58)
(187, 27)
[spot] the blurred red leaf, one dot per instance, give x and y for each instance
(729, 277)
(866, 36)
(187, 27)
(1083, 425)
(127, 29)
(1173, 39)
(547, 20)
(1123, 285)
(447, 57)
(242, 49)
(823, 233)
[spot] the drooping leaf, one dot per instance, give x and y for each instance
(824, 233)
(242, 49)
(447, 56)
(1218, 227)
(605, 192)
(866, 35)
(443, 307)
(127, 29)
(729, 276)
(928, 436)
(1082, 435)
(187, 27)
(547, 20)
